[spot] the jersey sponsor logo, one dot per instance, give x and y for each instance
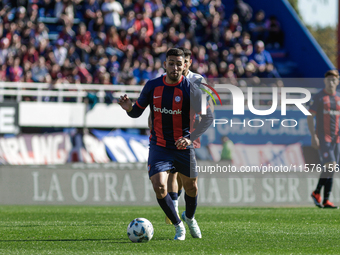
(156, 97)
(166, 111)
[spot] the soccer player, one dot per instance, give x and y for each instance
(174, 182)
(170, 98)
(325, 106)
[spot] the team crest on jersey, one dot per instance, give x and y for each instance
(177, 99)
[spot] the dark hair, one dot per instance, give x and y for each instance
(175, 52)
(187, 52)
(332, 73)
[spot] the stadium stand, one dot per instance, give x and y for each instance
(124, 42)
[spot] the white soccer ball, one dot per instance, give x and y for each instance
(140, 230)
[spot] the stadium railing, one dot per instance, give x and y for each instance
(17, 90)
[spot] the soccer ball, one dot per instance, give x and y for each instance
(140, 230)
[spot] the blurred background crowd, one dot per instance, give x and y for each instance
(124, 42)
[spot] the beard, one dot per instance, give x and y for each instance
(175, 77)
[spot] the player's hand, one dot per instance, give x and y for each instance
(125, 103)
(182, 143)
(315, 142)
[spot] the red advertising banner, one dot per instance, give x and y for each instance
(36, 149)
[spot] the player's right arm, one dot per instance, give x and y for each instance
(138, 108)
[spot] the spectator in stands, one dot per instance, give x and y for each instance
(28, 78)
(222, 69)
(85, 76)
(246, 43)
(219, 7)
(228, 40)
(39, 71)
(73, 56)
(128, 22)
(159, 47)
(67, 34)
(123, 40)
(84, 43)
(244, 11)
(235, 26)
(236, 53)
(275, 34)
(213, 72)
(32, 55)
(143, 21)
(11, 32)
(42, 47)
(257, 28)
(27, 36)
(64, 11)
(158, 21)
(97, 29)
(127, 6)
(33, 14)
(40, 33)
(16, 48)
(263, 61)
(112, 10)
(113, 67)
(20, 16)
(92, 10)
(4, 44)
(177, 23)
(15, 72)
(157, 69)
(112, 41)
(60, 52)
(56, 74)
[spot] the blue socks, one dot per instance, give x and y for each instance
(169, 209)
(190, 206)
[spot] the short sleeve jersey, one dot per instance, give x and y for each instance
(327, 110)
(170, 106)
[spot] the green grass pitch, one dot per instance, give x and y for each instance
(225, 230)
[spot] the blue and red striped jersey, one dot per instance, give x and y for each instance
(170, 106)
(327, 110)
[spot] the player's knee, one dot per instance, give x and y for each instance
(160, 189)
(191, 189)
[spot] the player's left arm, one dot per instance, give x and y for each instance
(206, 119)
(199, 83)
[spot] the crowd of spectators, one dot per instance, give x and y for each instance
(124, 42)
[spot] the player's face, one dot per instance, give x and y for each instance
(174, 66)
(331, 82)
(187, 62)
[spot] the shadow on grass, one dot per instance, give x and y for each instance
(68, 240)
